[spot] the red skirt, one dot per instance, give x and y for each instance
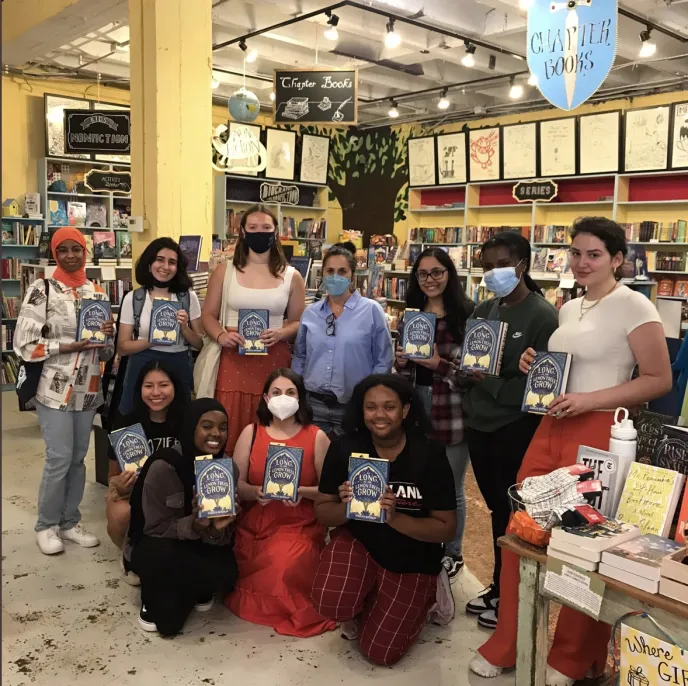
(240, 381)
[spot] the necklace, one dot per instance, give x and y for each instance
(585, 310)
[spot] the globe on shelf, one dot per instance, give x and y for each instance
(243, 105)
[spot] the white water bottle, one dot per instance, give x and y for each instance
(624, 443)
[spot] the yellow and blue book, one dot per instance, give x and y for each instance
(282, 472)
(252, 323)
(92, 315)
(369, 477)
(547, 380)
(130, 446)
(418, 334)
(164, 327)
(215, 487)
(483, 346)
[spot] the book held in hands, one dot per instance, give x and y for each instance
(130, 446)
(418, 334)
(215, 486)
(483, 346)
(282, 472)
(369, 477)
(252, 323)
(546, 381)
(164, 327)
(92, 315)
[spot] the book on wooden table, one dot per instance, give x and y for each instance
(164, 329)
(215, 486)
(650, 426)
(418, 334)
(483, 346)
(92, 315)
(369, 477)
(590, 541)
(546, 380)
(251, 325)
(672, 451)
(130, 446)
(190, 247)
(282, 472)
(611, 470)
(566, 556)
(682, 525)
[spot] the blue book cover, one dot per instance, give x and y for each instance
(164, 327)
(130, 446)
(215, 486)
(483, 346)
(58, 213)
(369, 477)
(252, 323)
(418, 335)
(547, 380)
(282, 472)
(92, 315)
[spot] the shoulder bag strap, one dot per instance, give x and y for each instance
(139, 298)
(226, 284)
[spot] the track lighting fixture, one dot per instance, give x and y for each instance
(647, 46)
(393, 111)
(468, 60)
(331, 32)
(443, 103)
(392, 38)
(516, 90)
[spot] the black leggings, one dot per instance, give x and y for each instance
(175, 575)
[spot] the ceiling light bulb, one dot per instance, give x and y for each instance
(525, 4)
(252, 55)
(516, 91)
(272, 96)
(532, 80)
(468, 60)
(647, 46)
(331, 33)
(392, 38)
(443, 103)
(393, 111)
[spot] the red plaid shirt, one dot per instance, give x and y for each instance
(447, 389)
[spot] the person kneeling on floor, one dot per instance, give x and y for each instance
(380, 579)
(182, 561)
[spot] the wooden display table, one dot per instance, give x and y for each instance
(619, 599)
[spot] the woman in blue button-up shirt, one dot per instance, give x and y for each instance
(341, 340)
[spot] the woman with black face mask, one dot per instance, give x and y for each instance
(258, 278)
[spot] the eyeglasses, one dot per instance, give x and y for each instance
(330, 328)
(76, 250)
(435, 274)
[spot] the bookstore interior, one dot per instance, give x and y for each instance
(417, 135)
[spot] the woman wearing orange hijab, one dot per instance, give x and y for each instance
(69, 390)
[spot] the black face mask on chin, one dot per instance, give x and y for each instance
(259, 241)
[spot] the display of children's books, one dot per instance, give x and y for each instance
(483, 346)
(369, 477)
(547, 380)
(418, 335)
(76, 213)
(92, 315)
(282, 472)
(124, 245)
(58, 213)
(252, 323)
(104, 247)
(96, 215)
(130, 446)
(164, 327)
(215, 486)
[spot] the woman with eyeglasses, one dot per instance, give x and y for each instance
(342, 339)
(498, 433)
(434, 287)
(257, 278)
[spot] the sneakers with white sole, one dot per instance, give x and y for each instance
(480, 666)
(349, 629)
(205, 605)
(49, 541)
(488, 619)
(453, 564)
(128, 576)
(487, 600)
(145, 621)
(77, 534)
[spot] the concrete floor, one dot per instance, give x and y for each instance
(70, 619)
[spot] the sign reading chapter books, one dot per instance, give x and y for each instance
(164, 327)
(369, 477)
(483, 346)
(215, 486)
(418, 337)
(546, 381)
(130, 446)
(282, 472)
(252, 323)
(93, 314)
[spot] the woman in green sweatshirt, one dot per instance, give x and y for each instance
(497, 432)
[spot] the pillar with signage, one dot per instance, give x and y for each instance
(171, 114)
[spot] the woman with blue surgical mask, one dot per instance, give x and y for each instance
(342, 339)
(497, 432)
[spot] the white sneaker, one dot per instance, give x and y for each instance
(205, 606)
(128, 576)
(49, 541)
(145, 621)
(555, 678)
(77, 534)
(480, 666)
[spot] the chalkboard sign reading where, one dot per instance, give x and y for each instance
(103, 131)
(328, 96)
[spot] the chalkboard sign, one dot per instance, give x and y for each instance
(310, 96)
(98, 180)
(101, 131)
(531, 191)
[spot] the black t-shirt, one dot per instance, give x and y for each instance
(422, 480)
(159, 434)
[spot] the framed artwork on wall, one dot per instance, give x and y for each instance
(484, 154)
(315, 158)
(519, 142)
(55, 105)
(599, 137)
(646, 139)
(250, 131)
(679, 136)
(422, 163)
(281, 149)
(558, 147)
(451, 158)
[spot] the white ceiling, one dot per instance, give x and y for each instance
(426, 59)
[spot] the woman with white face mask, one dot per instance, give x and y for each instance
(497, 432)
(278, 542)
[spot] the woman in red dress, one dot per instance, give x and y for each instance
(278, 543)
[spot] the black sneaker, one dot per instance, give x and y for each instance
(205, 604)
(145, 620)
(487, 600)
(488, 619)
(453, 564)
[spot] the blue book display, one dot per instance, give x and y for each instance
(369, 477)
(547, 380)
(252, 323)
(282, 472)
(130, 446)
(483, 346)
(215, 486)
(92, 315)
(418, 335)
(164, 327)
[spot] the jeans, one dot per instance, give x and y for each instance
(329, 419)
(459, 458)
(66, 436)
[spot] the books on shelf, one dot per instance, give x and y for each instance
(308, 228)
(10, 268)
(120, 215)
(20, 233)
(57, 213)
(395, 288)
(10, 368)
(76, 213)
(32, 205)
(115, 290)
(104, 246)
(191, 249)
(233, 222)
(546, 380)
(453, 234)
(123, 245)
(479, 234)
(551, 234)
(96, 215)
(7, 338)
(659, 232)
(483, 346)
(665, 261)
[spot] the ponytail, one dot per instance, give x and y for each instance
(532, 286)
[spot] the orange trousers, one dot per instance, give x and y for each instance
(579, 642)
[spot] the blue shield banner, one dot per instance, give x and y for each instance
(571, 48)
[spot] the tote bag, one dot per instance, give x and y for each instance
(208, 360)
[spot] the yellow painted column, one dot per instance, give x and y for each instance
(171, 119)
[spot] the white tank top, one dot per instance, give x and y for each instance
(273, 299)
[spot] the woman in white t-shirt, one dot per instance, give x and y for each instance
(608, 331)
(161, 273)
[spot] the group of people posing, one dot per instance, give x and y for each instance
(332, 384)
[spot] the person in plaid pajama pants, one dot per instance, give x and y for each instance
(381, 579)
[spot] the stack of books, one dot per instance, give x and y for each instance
(479, 234)
(200, 284)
